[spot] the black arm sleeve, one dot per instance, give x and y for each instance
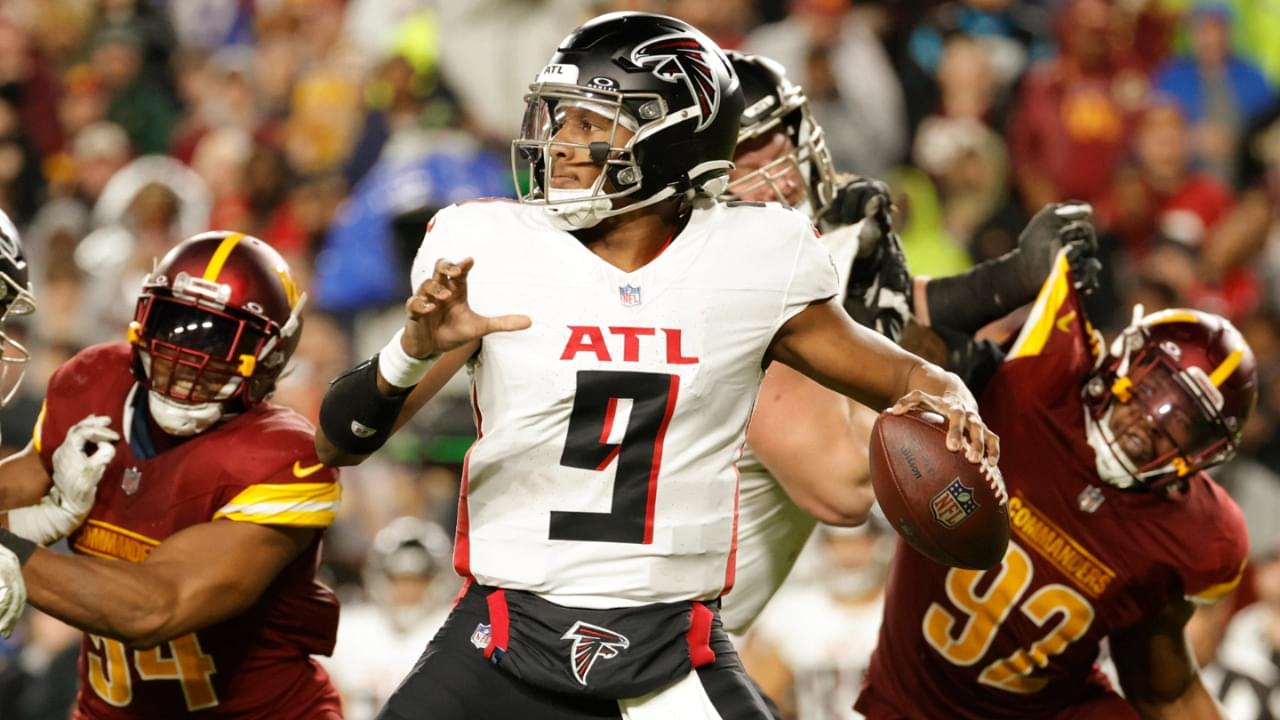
(354, 415)
(19, 545)
(986, 292)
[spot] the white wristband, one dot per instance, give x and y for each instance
(399, 368)
(45, 523)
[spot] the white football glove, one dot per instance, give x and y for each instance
(13, 591)
(75, 483)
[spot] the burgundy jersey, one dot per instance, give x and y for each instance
(1085, 559)
(257, 467)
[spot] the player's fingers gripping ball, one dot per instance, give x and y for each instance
(947, 508)
(965, 431)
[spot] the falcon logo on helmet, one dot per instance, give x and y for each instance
(678, 56)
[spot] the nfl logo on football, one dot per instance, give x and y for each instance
(955, 503)
(629, 294)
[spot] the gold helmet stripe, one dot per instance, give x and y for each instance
(1228, 366)
(1170, 316)
(220, 256)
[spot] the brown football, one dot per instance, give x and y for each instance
(944, 506)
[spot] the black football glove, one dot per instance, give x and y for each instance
(1056, 226)
(879, 291)
(860, 197)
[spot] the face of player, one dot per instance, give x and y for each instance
(186, 383)
(856, 562)
(408, 599)
(571, 165)
(779, 183)
(409, 590)
(1159, 420)
(13, 360)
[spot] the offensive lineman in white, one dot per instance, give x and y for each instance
(806, 454)
(616, 324)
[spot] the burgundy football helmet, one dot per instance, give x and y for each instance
(216, 323)
(1171, 398)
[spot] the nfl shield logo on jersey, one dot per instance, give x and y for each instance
(1090, 499)
(629, 294)
(132, 478)
(592, 643)
(953, 504)
(480, 637)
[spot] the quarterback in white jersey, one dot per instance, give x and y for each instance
(623, 380)
(616, 324)
(806, 457)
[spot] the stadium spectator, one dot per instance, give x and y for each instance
(832, 50)
(1219, 92)
(1071, 120)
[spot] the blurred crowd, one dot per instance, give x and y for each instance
(334, 129)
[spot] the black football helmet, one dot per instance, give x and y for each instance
(773, 102)
(659, 78)
(16, 299)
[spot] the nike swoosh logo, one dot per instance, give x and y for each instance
(301, 472)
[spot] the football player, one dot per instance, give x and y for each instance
(1117, 531)
(811, 646)
(194, 573)
(616, 322)
(16, 299)
(806, 455)
(406, 575)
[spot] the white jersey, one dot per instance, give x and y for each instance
(773, 529)
(371, 656)
(603, 474)
(826, 644)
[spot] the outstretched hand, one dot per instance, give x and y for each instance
(1056, 226)
(438, 318)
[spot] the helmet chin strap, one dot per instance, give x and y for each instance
(569, 213)
(576, 208)
(182, 419)
(1114, 466)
